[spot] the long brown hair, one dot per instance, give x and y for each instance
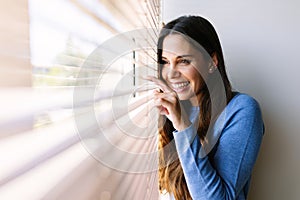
(214, 97)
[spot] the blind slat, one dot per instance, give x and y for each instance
(36, 101)
(102, 22)
(49, 174)
(20, 153)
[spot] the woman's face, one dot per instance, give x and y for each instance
(182, 65)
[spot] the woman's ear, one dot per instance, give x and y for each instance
(214, 58)
(214, 63)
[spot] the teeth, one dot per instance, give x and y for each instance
(180, 85)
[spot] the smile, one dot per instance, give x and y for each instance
(180, 86)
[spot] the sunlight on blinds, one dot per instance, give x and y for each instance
(86, 129)
(15, 69)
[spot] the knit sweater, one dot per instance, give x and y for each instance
(222, 169)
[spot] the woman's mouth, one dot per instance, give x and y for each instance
(179, 87)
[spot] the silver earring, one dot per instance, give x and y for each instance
(212, 69)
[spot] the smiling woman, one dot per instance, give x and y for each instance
(180, 67)
(209, 135)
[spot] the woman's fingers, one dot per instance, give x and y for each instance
(166, 102)
(169, 105)
(170, 97)
(163, 110)
(159, 83)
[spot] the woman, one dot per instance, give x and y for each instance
(209, 135)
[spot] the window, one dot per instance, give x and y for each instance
(72, 150)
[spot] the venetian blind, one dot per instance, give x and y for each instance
(86, 128)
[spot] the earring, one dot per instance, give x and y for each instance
(212, 69)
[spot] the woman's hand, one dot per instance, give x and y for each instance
(168, 104)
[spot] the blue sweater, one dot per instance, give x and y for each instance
(222, 170)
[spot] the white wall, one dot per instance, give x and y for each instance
(261, 45)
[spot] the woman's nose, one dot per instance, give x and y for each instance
(173, 73)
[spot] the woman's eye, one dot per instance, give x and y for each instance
(164, 62)
(185, 61)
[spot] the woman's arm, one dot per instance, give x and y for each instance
(235, 154)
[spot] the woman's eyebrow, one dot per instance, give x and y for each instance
(182, 56)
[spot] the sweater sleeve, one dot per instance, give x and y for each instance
(226, 176)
